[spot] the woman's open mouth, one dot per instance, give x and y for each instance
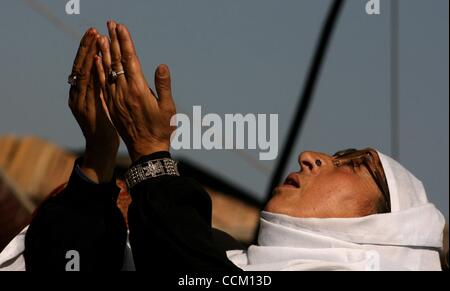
(292, 180)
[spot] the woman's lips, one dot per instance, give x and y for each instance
(292, 180)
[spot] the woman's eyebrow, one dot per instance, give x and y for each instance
(344, 152)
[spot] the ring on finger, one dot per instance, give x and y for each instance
(113, 75)
(72, 80)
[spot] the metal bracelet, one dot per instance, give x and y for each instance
(151, 169)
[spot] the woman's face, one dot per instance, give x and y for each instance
(322, 190)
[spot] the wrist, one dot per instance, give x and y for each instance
(98, 172)
(99, 165)
(137, 153)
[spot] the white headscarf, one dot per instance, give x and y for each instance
(408, 238)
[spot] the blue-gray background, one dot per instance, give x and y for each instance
(249, 56)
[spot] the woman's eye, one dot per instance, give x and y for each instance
(348, 164)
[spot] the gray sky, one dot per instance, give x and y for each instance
(250, 57)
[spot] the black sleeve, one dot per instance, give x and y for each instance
(84, 217)
(170, 226)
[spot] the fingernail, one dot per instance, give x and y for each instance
(162, 71)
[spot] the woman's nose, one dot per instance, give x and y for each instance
(311, 161)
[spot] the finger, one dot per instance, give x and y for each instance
(103, 66)
(85, 43)
(116, 56)
(164, 87)
(106, 54)
(72, 98)
(106, 67)
(77, 93)
(83, 48)
(90, 102)
(101, 78)
(129, 60)
(85, 72)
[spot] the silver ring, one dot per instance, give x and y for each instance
(72, 80)
(114, 75)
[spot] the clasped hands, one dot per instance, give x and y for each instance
(110, 97)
